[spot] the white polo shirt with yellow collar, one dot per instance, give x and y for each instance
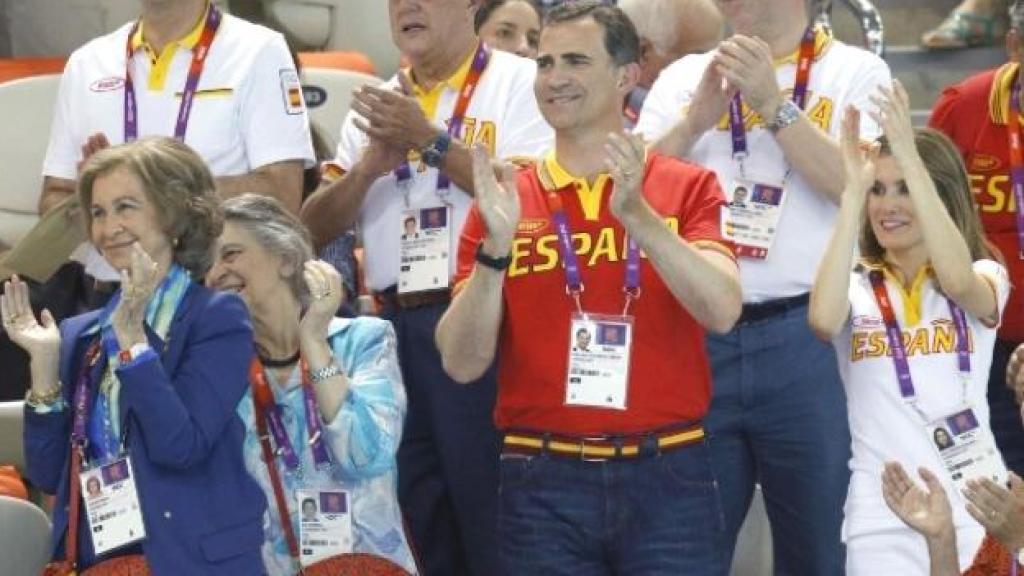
(884, 427)
(502, 115)
(248, 111)
(840, 75)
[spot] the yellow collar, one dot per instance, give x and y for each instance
(553, 176)
(455, 81)
(822, 41)
(911, 298)
(189, 41)
(999, 95)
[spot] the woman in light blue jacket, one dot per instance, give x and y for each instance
(326, 396)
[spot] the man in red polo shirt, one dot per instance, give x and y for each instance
(975, 114)
(604, 465)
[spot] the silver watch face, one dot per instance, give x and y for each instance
(786, 114)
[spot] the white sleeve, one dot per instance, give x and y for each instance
(63, 150)
(524, 133)
(351, 142)
(997, 276)
(865, 82)
(274, 128)
(664, 103)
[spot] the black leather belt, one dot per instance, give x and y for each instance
(759, 311)
(390, 299)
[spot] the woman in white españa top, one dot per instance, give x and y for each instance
(927, 274)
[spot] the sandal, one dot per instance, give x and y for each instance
(963, 30)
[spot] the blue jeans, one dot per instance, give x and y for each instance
(778, 417)
(658, 514)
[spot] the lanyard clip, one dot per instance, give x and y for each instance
(575, 292)
(632, 294)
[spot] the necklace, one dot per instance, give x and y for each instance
(279, 363)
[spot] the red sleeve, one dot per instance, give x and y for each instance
(945, 117)
(701, 222)
(472, 234)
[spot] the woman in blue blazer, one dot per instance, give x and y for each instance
(154, 377)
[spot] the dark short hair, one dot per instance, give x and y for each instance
(487, 7)
(409, 219)
(583, 331)
(177, 182)
(620, 37)
(308, 501)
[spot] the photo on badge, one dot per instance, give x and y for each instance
(583, 339)
(333, 503)
(309, 510)
(93, 488)
(963, 421)
(115, 472)
(769, 195)
(611, 334)
(433, 218)
(943, 440)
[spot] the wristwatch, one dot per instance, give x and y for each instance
(785, 114)
(499, 264)
(433, 154)
(320, 374)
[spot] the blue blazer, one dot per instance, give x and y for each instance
(202, 511)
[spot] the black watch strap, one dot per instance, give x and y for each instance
(499, 264)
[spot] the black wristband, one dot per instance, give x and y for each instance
(499, 264)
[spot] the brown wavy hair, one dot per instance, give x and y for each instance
(177, 182)
(944, 164)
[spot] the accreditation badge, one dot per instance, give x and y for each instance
(751, 219)
(325, 524)
(966, 449)
(112, 505)
(426, 235)
(599, 353)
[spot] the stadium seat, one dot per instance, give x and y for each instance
(328, 92)
(24, 537)
(338, 60)
(11, 424)
(27, 106)
(360, 25)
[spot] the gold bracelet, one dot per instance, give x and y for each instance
(45, 398)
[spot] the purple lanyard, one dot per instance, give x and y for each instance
(803, 74)
(264, 401)
(79, 436)
(1016, 160)
(483, 55)
(895, 337)
(199, 53)
(573, 280)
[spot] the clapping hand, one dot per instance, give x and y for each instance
(858, 165)
(925, 510)
(625, 161)
(999, 510)
(498, 202)
(39, 338)
(138, 283)
(893, 115)
(326, 295)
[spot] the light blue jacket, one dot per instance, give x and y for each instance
(362, 439)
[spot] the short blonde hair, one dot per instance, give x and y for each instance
(177, 181)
